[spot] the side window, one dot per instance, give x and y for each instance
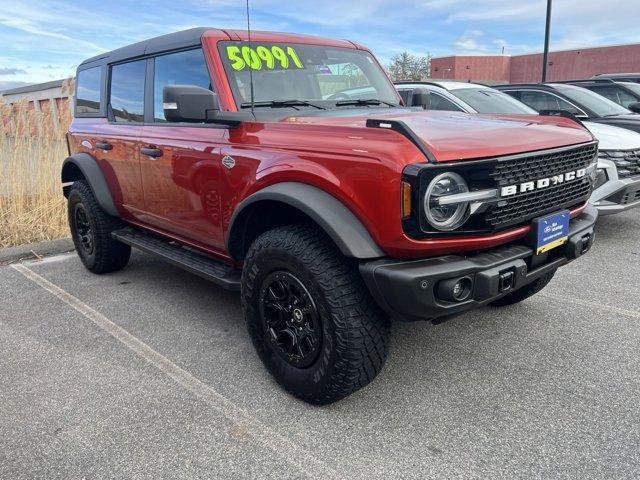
(546, 101)
(615, 94)
(438, 102)
(181, 68)
(127, 91)
(404, 94)
(89, 82)
(607, 92)
(625, 99)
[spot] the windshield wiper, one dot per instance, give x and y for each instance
(282, 104)
(364, 101)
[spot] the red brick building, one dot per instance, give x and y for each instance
(563, 65)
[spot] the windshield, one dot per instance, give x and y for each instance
(594, 102)
(321, 75)
(484, 100)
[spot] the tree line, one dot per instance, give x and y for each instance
(405, 66)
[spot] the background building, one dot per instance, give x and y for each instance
(563, 65)
(50, 102)
(54, 100)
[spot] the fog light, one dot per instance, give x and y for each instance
(455, 289)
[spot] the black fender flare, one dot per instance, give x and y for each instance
(91, 171)
(344, 228)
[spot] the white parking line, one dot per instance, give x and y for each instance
(52, 259)
(284, 447)
(587, 303)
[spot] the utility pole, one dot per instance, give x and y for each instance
(545, 56)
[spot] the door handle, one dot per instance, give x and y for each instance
(151, 152)
(104, 146)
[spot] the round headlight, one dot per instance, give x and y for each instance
(443, 215)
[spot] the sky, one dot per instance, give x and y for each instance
(42, 40)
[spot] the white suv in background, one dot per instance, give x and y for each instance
(617, 187)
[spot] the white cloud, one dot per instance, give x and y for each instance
(470, 42)
(574, 24)
(8, 84)
(495, 10)
(36, 33)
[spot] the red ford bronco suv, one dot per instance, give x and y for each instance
(284, 166)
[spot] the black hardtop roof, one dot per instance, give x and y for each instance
(170, 41)
(183, 39)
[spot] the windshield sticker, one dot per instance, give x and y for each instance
(323, 70)
(261, 57)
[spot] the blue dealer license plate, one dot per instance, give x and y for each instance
(552, 231)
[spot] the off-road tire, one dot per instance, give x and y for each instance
(524, 292)
(355, 332)
(107, 255)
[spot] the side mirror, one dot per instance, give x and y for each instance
(421, 98)
(634, 107)
(189, 103)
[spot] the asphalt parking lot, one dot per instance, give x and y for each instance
(148, 373)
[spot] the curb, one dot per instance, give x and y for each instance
(36, 250)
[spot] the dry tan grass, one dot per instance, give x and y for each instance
(32, 148)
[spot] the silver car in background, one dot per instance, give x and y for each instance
(617, 186)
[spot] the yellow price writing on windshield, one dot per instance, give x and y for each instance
(261, 56)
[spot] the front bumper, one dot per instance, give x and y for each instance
(411, 290)
(617, 194)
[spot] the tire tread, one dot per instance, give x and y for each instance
(362, 329)
(110, 255)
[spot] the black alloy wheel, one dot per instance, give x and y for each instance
(83, 229)
(290, 319)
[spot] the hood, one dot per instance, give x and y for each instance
(452, 136)
(614, 138)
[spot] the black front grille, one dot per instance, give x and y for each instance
(630, 197)
(512, 171)
(525, 168)
(627, 161)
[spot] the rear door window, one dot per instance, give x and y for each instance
(615, 94)
(127, 91)
(181, 68)
(89, 83)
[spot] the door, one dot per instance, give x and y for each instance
(180, 162)
(115, 142)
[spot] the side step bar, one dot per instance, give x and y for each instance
(216, 271)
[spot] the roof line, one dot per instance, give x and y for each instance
(34, 88)
(540, 53)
